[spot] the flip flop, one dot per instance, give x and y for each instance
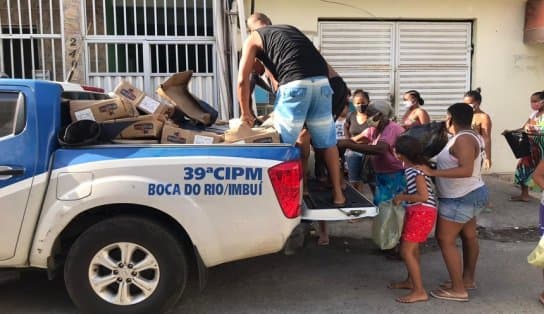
(339, 205)
(517, 199)
(447, 285)
(445, 295)
(322, 242)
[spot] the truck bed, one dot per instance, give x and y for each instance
(318, 204)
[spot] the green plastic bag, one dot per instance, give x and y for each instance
(387, 226)
(536, 258)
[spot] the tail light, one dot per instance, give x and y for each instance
(92, 89)
(286, 180)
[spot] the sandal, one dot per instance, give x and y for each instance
(445, 295)
(447, 285)
(322, 242)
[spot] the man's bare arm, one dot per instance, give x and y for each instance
(249, 52)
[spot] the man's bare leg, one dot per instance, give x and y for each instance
(303, 142)
(332, 160)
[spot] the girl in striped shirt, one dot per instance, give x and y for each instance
(420, 216)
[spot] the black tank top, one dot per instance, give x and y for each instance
(289, 54)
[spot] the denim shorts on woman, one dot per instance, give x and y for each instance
(307, 101)
(464, 208)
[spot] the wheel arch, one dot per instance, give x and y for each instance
(88, 218)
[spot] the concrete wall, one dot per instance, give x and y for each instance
(507, 70)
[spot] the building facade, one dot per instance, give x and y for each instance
(440, 48)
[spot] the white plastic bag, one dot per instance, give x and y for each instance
(536, 258)
(387, 226)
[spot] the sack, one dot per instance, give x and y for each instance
(387, 226)
(536, 258)
(518, 142)
(432, 136)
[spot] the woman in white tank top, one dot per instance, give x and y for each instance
(462, 196)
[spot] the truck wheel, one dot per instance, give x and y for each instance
(125, 265)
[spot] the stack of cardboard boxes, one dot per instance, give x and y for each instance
(134, 117)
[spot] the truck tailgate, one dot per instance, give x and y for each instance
(318, 204)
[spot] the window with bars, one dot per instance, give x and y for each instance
(31, 39)
(180, 36)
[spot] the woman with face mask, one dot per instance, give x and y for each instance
(355, 124)
(527, 165)
(414, 115)
(481, 122)
(378, 141)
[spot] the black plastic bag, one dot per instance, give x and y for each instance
(519, 143)
(80, 133)
(432, 136)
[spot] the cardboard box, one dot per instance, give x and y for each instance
(129, 93)
(100, 110)
(245, 134)
(175, 91)
(140, 100)
(155, 107)
(175, 135)
(142, 127)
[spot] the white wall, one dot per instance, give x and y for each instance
(507, 70)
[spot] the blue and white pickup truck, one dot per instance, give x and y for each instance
(128, 225)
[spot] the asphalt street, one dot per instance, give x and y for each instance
(349, 276)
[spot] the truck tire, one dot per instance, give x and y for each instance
(125, 265)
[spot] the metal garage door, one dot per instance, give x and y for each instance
(389, 58)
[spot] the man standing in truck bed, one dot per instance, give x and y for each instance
(304, 96)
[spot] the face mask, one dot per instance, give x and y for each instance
(362, 108)
(407, 104)
(373, 123)
(536, 105)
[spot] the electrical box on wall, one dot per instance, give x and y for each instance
(534, 22)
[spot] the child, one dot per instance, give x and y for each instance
(538, 177)
(419, 219)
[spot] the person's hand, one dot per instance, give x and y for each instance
(344, 143)
(487, 164)
(397, 199)
(426, 170)
(247, 119)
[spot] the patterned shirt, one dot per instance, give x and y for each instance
(411, 187)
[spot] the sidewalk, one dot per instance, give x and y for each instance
(503, 214)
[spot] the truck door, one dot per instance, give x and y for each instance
(17, 167)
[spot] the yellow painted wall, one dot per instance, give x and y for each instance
(506, 69)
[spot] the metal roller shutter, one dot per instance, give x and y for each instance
(389, 58)
(362, 52)
(434, 59)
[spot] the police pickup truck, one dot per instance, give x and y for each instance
(129, 225)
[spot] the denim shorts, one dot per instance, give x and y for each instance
(464, 208)
(354, 161)
(305, 102)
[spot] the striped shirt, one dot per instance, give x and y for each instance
(411, 187)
